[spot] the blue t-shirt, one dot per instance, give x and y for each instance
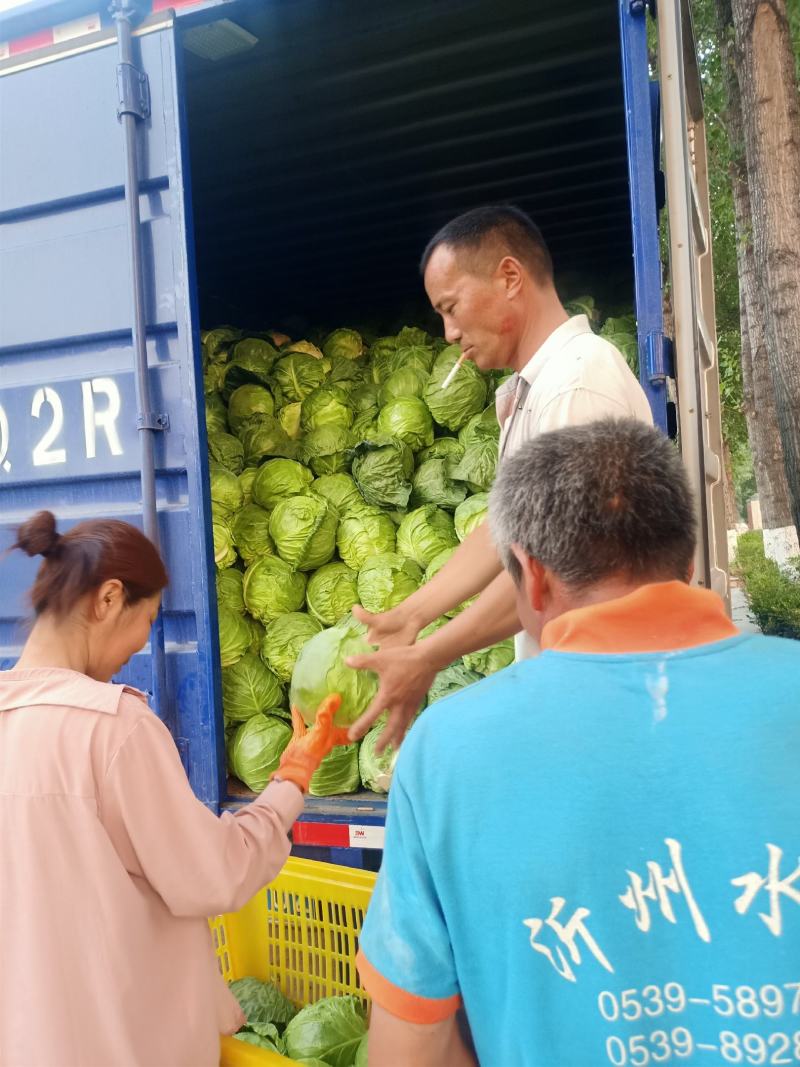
(599, 855)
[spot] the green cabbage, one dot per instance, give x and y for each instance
(289, 418)
(306, 347)
(304, 531)
(272, 588)
(246, 479)
(412, 335)
(363, 532)
(216, 414)
(489, 660)
(278, 479)
(424, 533)
(471, 514)
(438, 562)
(331, 592)
(250, 363)
(226, 492)
(247, 401)
(387, 579)
(321, 670)
(262, 1003)
(362, 1059)
(257, 748)
(338, 773)
(326, 406)
(344, 344)
(405, 382)
(413, 357)
(217, 343)
(251, 533)
(408, 419)
(365, 398)
(621, 332)
(328, 450)
(464, 397)
(450, 680)
(447, 448)
(229, 589)
(263, 438)
(249, 687)
(584, 305)
(224, 551)
(298, 375)
(478, 464)
(227, 450)
(234, 636)
(256, 634)
(284, 638)
(340, 489)
(376, 770)
(382, 470)
(432, 484)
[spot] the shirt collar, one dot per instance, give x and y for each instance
(61, 687)
(662, 617)
(573, 327)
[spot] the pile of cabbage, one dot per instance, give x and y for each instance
(341, 473)
(330, 1033)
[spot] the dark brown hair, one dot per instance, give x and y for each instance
(78, 562)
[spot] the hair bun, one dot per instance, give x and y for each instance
(39, 536)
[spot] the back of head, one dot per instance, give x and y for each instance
(606, 499)
(485, 235)
(80, 561)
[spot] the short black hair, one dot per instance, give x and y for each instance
(507, 227)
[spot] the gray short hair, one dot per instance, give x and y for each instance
(588, 502)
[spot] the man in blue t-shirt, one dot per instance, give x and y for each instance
(595, 852)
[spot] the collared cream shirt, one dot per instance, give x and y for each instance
(573, 378)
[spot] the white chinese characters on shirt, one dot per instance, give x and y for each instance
(655, 895)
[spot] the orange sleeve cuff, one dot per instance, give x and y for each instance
(406, 1006)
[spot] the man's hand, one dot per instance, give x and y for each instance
(307, 749)
(391, 628)
(405, 675)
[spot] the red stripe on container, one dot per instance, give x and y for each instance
(334, 834)
(28, 44)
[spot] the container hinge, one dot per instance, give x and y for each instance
(153, 420)
(659, 357)
(133, 89)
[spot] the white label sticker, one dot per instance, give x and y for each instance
(366, 836)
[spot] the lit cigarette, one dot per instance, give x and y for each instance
(453, 372)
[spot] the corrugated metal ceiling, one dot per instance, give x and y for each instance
(324, 158)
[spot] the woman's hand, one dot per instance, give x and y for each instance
(307, 749)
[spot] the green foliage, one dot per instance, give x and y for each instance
(774, 596)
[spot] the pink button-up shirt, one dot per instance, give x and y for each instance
(109, 866)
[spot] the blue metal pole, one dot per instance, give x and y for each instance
(134, 107)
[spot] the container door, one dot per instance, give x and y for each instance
(68, 414)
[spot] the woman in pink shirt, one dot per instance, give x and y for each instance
(109, 865)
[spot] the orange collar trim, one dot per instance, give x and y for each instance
(662, 617)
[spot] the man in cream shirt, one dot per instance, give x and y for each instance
(489, 275)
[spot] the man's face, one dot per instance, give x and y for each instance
(475, 309)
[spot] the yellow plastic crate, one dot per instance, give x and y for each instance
(300, 932)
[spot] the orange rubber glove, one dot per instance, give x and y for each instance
(307, 749)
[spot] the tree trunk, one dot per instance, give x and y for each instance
(771, 126)
(759, 397)
(728, 489)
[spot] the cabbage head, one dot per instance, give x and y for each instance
(248, 687)
(346, 344)
(247, 401)
(363, 532)
(382, 470)
(382, 361)
(404, 382)
(217, 343)
(479, 428)
(298, 375)
(348, 374)
(279, 479)
(584, 305)
(412, 335)
(229, 589)
(264, 437)
(365, 398)
(471, 514)
(256, 634)
(331, 592)
(326, 406)
(283, 640)
(272, 588)
(226, 492)
(437, 563)
(289, 418)
(304, 531)
(330, 1030)
(250, 363)
(464, 397)
(478, 465)
(432, 484)
(386, 580)
(224, 551)
(234, 636)
(262, 1003)
(408, 419)
(246, 479)
(338, 773)
(257, 749)
(216, 414)
(306, 347)
(450, 680)
(361, 1059)
(416, 357)
(376, 770)
(424, 533)
(227, 450)
(321, 670)
(491, 659)
(340, 489)
(365, 426)
(447, 448)
(251, 533)
(328, 450)
(621, 332)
